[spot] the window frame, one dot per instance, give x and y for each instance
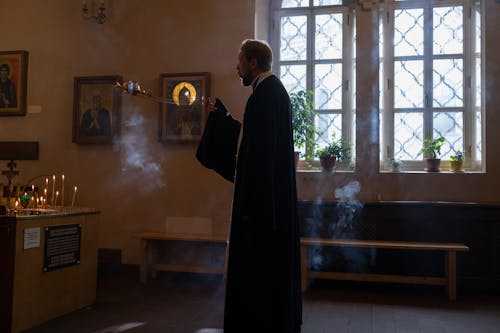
(346, 110)
(468, 56)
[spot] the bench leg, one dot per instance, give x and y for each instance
(451, 275)
(144, 261)
(304, 266)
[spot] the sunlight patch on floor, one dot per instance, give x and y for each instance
(120, 328)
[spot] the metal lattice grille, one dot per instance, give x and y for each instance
(448, 83)
(294, 3)
(408, 84)
(432, 64)
(408, 138)
(450, 126)
(293, 77)
(328, 36)
(328, 86)
(408, 32)
(448, 30)
(330, 126)
(314, 56)
(293, 38)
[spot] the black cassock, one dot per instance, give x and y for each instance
(263, 279)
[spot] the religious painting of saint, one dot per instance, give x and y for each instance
(96, 109)
(183, 114)
(13, 83)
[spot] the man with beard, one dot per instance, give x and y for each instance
(263, 274)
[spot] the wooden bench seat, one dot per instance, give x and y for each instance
(149, 264)
(449, 249)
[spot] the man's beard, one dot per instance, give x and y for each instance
(247, 79)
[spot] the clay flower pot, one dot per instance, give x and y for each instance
(456, 166)
(327, 162)
(433, 164)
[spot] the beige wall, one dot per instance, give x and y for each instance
(140, 40)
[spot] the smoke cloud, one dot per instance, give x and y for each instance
(138, 163)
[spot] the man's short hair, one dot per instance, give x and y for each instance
(258, 50)
(5, 66)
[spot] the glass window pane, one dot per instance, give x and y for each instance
(328, 36)
(479, 140)
(327, 2)
(478, 82)
(328, 86)
(448, 83)
(408, 134)
(408, 84)
(293, 39)
(330, 127)
(449, 125)
(448, 30)
(294, 3)
(478, 30)
(408, 32)
(293, 77)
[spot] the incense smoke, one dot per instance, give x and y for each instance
(139, 165)
(342, 227)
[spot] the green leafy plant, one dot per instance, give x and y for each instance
(458, 156)
(432, 147)
(303, 114)
(340, 149)
(394, 164)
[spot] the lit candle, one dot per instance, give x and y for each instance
(57, 195)
(32, 189)
(45, 192)
(17, 203)
(74, 196)
(62, 191)
(53, 189)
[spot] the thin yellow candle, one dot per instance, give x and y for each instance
(45, 192)
(57, 195)
(53, 189)
(62, 191)
(74, 196)
(46, 184)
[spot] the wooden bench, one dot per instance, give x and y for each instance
(449, 249)
(149, 262)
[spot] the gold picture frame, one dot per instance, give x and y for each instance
(183, 116)
(96, 109)
(13, 82)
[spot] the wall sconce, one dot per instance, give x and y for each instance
(100, 17)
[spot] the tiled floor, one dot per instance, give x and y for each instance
(194, 304)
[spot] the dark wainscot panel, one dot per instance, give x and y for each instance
(475, 225)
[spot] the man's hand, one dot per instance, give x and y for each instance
(209, 105)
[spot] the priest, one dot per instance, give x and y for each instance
(263, 274)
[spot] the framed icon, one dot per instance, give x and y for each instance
(96, 109)
(183, 116)
(13, 82)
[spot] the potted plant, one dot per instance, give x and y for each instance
(303, 123)
(395, 164)
(337, 150)
(457, 161)
(432, 151)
